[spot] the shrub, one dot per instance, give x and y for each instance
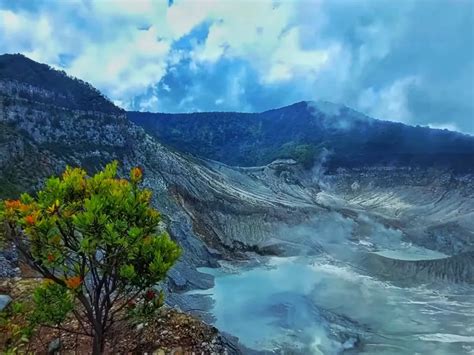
(96, 239)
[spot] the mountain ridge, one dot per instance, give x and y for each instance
(302, 131)
(315, 103)
(56, 85)
(40, 138)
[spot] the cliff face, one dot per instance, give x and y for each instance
(433, 207)
(40, 137)
(268, 207)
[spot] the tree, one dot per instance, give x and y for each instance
(97, 239)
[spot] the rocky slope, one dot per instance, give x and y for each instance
(40, 136)
(274, 203)
(412, 179)
(231, 210)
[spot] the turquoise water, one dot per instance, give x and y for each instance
(281, 304)
(321, 304)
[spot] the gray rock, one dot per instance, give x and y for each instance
(5, 300)
(8, 263)
(54, 346)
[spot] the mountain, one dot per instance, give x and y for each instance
(233, 210)
(302, 131)
(29, 80)
(345, 206)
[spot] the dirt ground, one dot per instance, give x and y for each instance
(169, 332)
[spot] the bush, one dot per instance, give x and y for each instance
(96, 240)
(302, 153)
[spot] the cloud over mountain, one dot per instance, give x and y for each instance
(404, 61)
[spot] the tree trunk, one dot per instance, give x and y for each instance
(98, 343)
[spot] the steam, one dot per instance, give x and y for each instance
(336, 117)
(318, 170)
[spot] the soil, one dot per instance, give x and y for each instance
(169, 332)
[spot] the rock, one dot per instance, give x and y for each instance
(178, 280)
(196, 304)
(351, 343)
(5, 300)
(54, 346)
(457, 269)
(177, 351)
(8, 264)
(355, 186)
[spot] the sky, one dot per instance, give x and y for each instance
(405, 60)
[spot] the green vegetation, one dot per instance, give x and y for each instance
(304, 154)
(74, 93)
(16, 174)
(300, 130)
(97, 243)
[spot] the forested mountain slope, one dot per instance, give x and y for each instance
(302, 131)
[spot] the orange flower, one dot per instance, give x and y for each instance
(12, 204)
(30, 219)
(24, 208)
(73, 282)
(136, 174)
(51, 258)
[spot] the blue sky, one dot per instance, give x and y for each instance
(407, 61)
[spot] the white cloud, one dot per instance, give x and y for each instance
(21, 32)
(184, 15)
(250, 29)
(451, 126)
(10, 22)
(360, 53)
(119, 58)
(289, 60)
(127, 65)
(266, 36)
(149, 104)
(390, 102)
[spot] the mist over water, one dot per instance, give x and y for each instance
(323, 304)
(276, 306)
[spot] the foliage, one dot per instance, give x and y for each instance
(302, 153)
(47, 304)
(16, 327)
(145, 307)
(15, 330)
(52, 304)
(96, 239)
(250, 139)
